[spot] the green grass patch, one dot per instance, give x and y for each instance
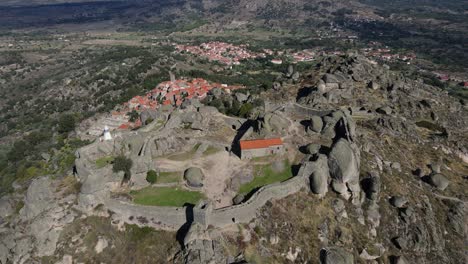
(264, 175)
(104, 161)
(169, 177)
(165, 196)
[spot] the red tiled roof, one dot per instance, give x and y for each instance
(260, 143)
(124, 126)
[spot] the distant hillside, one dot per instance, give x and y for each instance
(46, 2)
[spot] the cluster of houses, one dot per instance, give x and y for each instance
(386, 54)
(295, 57)
(170, 93)
(222, 52)
(447, 78)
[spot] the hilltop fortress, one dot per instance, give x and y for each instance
(146, 147)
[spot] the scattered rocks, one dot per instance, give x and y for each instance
(194, 177)
(336, 255)
(456, 216)
(6, 208)
(200, 248)
(372, 252)
(339, 208)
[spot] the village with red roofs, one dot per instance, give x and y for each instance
(222, 52)
(170, 93)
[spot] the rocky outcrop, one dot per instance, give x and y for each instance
(201, 248)
(336, 255)
(6, 207)
(39, 198)
(42, 219)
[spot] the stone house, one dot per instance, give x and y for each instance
(261, 147)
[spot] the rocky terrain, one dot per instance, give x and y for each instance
(380, 167)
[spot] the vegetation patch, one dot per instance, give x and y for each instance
(264, 175)
(104, 161)
(165, 196)
(169, 177)
(134, 245)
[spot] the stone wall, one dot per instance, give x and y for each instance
(172, 218)
(245, 212)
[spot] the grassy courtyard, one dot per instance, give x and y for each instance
(264, 175)
(165, 196)
(169, 177)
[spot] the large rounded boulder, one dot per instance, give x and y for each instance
(194, 177)
(439, 181)
(343, 162)
(320, 176)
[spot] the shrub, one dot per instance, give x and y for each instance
(151, 176)
(148, 121)
(66, 123)
(245, 110)
(19, 150)
(134, 115)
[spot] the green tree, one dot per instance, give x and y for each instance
(134, 115)
(18, 151)
(66, 123)
(121, 163)
(151, 176)
(245, 110)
